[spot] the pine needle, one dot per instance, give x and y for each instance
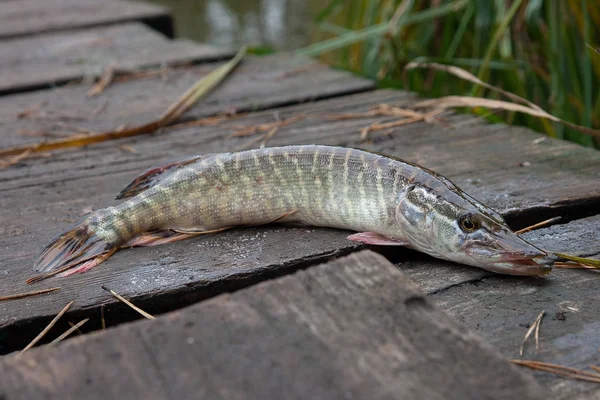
(130, 304)
(378, 111)
(268, 136)
(105, 80)
(68, 332)
(581, 262)
(534, 327)
(570, 265)
(14, 160)
(47, 328)
(173, 112)
(28, 294)
(270, 128)
(560, 370)
(538, 225)
(377, 126)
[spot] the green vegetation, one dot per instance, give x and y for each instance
(544, 51)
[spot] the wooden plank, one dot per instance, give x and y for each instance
(49, 59)
(40, 197)
(258, 83)
(28, 17)
(492, 171)
(353, 328)
(501, 308)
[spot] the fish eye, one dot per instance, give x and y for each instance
(468, 223)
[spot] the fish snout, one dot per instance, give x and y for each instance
(516, 256)
(529, 252)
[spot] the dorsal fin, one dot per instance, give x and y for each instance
(155, 174)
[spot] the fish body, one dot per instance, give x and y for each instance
(386, 200)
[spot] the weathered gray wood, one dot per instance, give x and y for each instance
(44, 60)
(353, 328)
(257, 83)
(40, 197)
(485, 160)
(27, 17)
(501, 308)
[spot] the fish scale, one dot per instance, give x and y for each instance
(387, 200)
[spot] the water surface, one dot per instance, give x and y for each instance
(281, 24)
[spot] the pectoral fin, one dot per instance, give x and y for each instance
(377, 239)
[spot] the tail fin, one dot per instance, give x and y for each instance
(71, 248)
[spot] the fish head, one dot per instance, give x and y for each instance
(449, 224)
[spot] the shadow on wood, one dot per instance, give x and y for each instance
(353, 328)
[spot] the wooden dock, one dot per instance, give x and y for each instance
(273, 311)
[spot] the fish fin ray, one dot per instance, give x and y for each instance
(377, 239)
(71, 248)
(87, 265)
(155, 174)
(156, 238)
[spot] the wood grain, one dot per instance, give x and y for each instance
(28, 17)
(353, 328)
(55, 58)
(501, 308)
(41, 197)
(257, 83)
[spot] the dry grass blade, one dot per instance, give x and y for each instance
(47, 328)
(537, 330)
(268, 136)
(377, 111)
(469, 102)
(589, 263)
(466, 75)
(559, 370)
(377, 126)
(78, 330)
(68, 332)
(270, 128)
(130, 304)
(565, 265)
(597, 49)
(128, 148)
(254, 129)
(28, 294)
(201, 88)
(209, 121)
(534, 327)
(13, 160)
(538, 225)
(198, 90)
(400, 11)
(105, 80)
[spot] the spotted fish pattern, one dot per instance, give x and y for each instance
(323, 186)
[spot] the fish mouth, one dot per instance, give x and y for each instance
(514, 257)
(515, 265)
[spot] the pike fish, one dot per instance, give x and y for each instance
(385, 200)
